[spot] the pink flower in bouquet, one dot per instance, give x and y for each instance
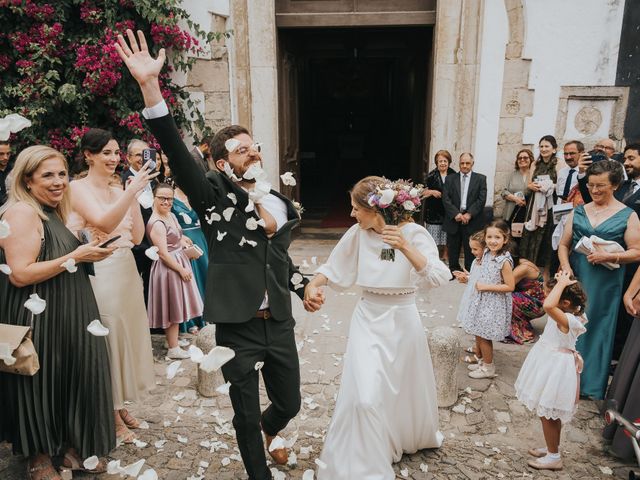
(402, 196)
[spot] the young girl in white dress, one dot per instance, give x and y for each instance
(549, 380)
(387, 403)
(477, 246)
(488, 312)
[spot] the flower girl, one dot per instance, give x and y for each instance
(549, 380)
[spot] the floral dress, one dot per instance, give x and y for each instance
(528, 298)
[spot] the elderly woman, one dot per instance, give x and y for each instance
(66, 407)
(514, 193)
(105, 211)
(608, 219)
(434, 208)
(535, 244)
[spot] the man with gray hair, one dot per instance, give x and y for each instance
(134, 158)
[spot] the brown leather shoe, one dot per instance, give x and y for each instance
(279, 455)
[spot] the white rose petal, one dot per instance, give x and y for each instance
(320, 464)
(97, 329)
(172, 369)
(144, 425)
(139, 443)
(424, 467)
(91, 462)
(134, 469)
(253, 172)
(308, 475)
(253, 243)
(152, 253)
(258, 366)
(212, 217)
(250, 206)
(304, 265)
(227, 213)
(224, 389)
(17, 123)
(182, 439)
(606, 470)
(187, 220)
(260, 189)
(232, 197)
(408, 205)
(251, 223)
(5, 131)
(277, 474)
(231, 144)
(414, 192)
(221, 235)
(149, 474)
(35, 304)
(216, 358)
(387, 196)
(229, 171)
(196, 354)
(242, 241)
(71, 267)
(287, 179)
(314, 260)
(6, 269)
(5, 229)
(404, 472)
(296, 278)
(113, 467)
(5, 354)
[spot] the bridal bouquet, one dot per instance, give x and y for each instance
(397, 202)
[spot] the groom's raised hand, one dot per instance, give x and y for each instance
(143, 67)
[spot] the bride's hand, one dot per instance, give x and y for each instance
(392, 236)
(313, 298)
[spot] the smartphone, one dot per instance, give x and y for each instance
(597, 156)
(149, 155)
(109, 242)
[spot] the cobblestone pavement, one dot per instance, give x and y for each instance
(487, 433)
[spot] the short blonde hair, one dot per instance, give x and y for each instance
(361, 190)
(28, 161)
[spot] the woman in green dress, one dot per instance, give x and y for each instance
(609, 219)
(190, 225)
(536, 245)
(66, 408)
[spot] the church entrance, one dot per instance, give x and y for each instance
(353, 102)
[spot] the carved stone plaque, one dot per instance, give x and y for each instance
(588, 120)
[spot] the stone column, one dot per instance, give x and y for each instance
(444, 345)
(208, 382)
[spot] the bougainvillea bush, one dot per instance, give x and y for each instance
(59, 68)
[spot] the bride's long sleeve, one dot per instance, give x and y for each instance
(341, 267)
(435, 273)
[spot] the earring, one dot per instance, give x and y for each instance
(28, 187)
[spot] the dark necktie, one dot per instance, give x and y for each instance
(567, 185)
(633, 185)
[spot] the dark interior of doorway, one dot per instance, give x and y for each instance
(362, 96)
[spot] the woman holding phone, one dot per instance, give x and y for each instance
(104, 210)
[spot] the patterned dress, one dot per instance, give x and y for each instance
(528, 298)
(488, 314)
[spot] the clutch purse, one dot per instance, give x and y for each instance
(194, 252)
(17, 353)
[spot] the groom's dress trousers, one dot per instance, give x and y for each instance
(241, 280)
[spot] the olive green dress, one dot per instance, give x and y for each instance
(536, 246)
(68, 402)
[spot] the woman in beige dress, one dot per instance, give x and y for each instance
(103, 210)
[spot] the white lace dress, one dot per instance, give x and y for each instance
(549, 380)
(387, 403)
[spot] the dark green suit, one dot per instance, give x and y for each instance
(237, 280)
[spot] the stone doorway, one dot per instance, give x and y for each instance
(353, 102)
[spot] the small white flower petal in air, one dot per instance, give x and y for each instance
(152, 253)
(91, 462)
(258, 366)
(314, 260)
(35, 304)
(304, 265)
(149, 474)
(250, 206)
(4, 268)
(216, 358)
(287, 179)
(196, 354)
(5, 229)
(227, 213)
(97, 329)
(220, 235)
(224, 388)
(254, 172)
(231, 144)
(71, 267)
(187, 220)
(229, 171)
(296, 278)
(212, 217)
(172, 369)
(5, 129)
(408, 205)
(17, 123)
(232, 197)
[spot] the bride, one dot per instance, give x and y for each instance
(387, 402)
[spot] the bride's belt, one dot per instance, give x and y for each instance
(390, 297)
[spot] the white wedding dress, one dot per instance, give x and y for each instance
(387, 403)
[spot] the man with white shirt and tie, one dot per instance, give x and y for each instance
(568, 176)
(463, 196)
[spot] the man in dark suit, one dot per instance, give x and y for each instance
(250, 272)
(201, 153)
(464, 196)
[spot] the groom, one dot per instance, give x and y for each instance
(250, 272)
